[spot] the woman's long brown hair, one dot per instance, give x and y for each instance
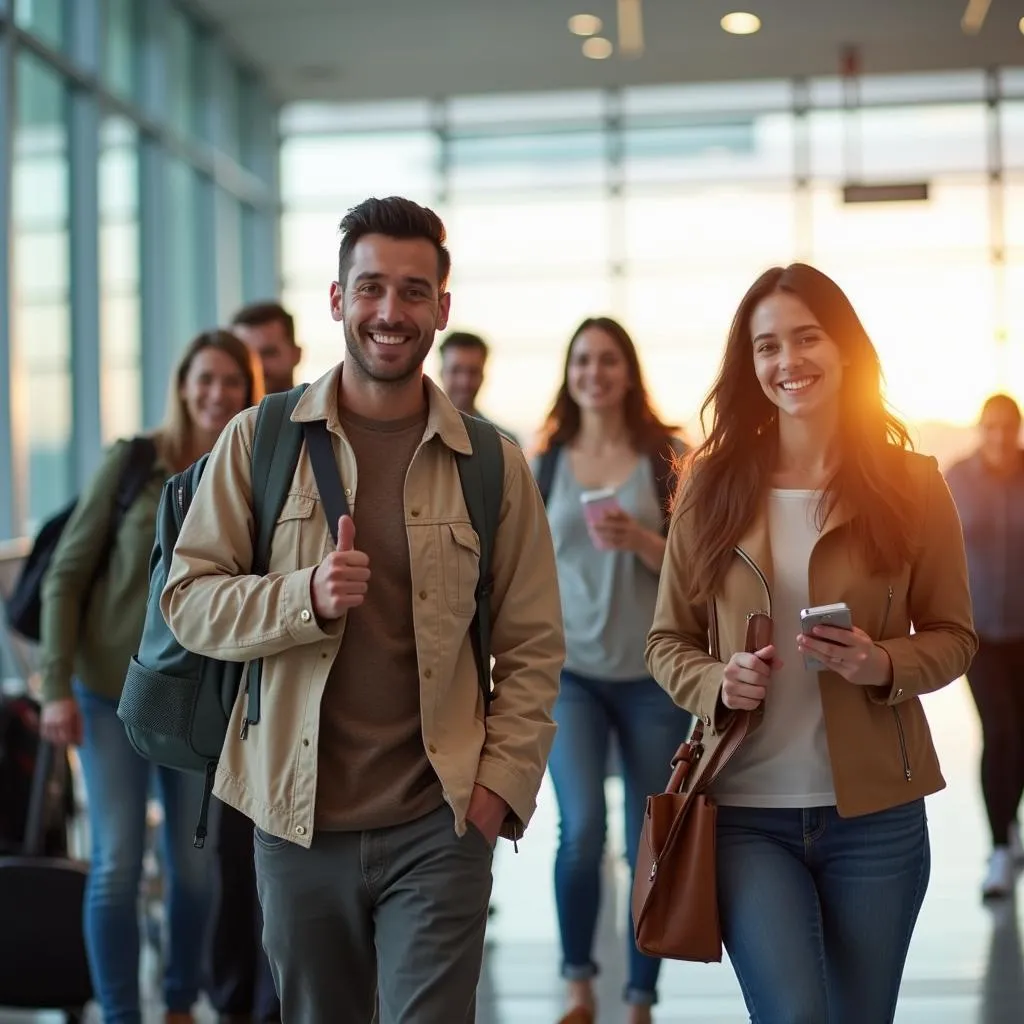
(647, 431)
(725, 480)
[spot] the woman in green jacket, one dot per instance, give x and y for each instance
(89, 634)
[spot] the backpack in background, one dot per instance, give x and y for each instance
(176, 705)
(24, 606)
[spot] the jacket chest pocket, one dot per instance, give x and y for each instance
(460, 566)
(298, 538)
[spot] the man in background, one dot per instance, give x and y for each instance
(238, 979)
(268, 329)
(463, 360)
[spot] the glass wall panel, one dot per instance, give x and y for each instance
(40, 261)
(897, 142)
(183, 79)
(120, 47)
(347, 169)
(183, 258)
(120, 325)
(44, 18)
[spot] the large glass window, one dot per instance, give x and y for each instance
(41, 337)
(120, 334)
(662, 204)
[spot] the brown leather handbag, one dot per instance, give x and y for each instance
(675, 891)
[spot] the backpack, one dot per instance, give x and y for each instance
(24, 606)
(176, 705)
(662, 463)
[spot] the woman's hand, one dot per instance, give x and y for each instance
(617, 531)
(61, 722)
(852, 654)
(746, 677)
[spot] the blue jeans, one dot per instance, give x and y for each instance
(648, 728)
(818, 910)
(117, 783)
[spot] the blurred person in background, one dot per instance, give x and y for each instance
(988, 488)
(268, 329)
(603, 433)
(238, 979)
(804, 493)
(84, 659)
(463, 360)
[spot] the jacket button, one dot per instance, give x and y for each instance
(415, 513)
(432, 749)
(305, 615)
(427, 673)
(300, 830)
(423, 595)
(348, 492)
(899, 692)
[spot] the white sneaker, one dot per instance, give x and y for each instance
(999, 880)
(1015, 844)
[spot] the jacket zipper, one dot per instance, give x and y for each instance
(903, 743)
(885, 619)
(895, 710)
(760, 575)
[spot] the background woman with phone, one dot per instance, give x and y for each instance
(804, 494)
(604, 469)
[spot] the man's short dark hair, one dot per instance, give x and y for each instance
(393, 217)
(464, 340)
(259, 314)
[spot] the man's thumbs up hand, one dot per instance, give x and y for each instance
(341, 579)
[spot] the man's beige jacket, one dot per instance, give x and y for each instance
(216, 608)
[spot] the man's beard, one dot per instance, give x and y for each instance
(395, 375)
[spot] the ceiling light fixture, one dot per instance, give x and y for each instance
(584, 25)
(1020, 25)
(740, 23)
(597, 48)
(974, 16)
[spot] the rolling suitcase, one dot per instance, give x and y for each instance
(43, 964)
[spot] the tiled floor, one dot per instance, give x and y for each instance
(965, 964)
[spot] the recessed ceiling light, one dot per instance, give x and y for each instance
(739, 23)
(1020, 25)
(597, 48)
(584, 25)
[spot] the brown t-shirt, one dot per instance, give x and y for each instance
(373, 770)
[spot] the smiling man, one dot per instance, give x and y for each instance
(378, 781)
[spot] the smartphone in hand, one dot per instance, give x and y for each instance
(836, 615)
(595, 506)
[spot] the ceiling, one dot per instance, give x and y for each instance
(387, 49)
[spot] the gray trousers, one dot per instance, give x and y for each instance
(397, 914)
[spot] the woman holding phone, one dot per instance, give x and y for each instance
(805, 494)
(604, 469)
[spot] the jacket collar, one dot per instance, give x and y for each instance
(320, 401)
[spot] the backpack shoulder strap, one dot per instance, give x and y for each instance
(546, 466)
(482, 474)
(276, 444)
(325, 471)
(275, 453)
(135, 473)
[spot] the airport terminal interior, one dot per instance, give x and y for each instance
(165, 162)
